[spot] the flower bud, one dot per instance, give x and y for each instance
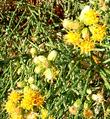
(52, 55)
(39, 60)
(38, 69)
(94, 97)
(20, 84)
(48, 74)
(20, 70)
(31, 80)
(32, 115)
(34, 38)
(33, 86)
(86, 105)
(85, 33)
(88, 114)
(71, 25)
(77, 103)
(89, 91)
(73, 110)
(67, 23)
(26, 88)
(33, 51)
(44, 113)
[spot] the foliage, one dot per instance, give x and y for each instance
(73, 85)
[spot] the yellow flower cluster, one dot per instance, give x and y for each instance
(12, 107)
(31, 98)
(23, 100)
(87, 35)
(44, 66)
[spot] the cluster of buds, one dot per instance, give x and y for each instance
(44, 66)
(27, 82)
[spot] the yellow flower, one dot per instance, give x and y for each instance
(31, 98)
(16, 114)
(86, 46)
(70, 25)
(44, 113)
(13, 110)
(14, 96)
(10, 106)
(98, 32)
(89, 16)
(27, 103)
(72, 38)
